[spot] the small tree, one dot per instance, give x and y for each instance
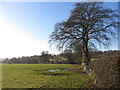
(69, 55)
(51, 56)
(90, 24)
(45, 56)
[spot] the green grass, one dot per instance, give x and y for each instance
(0, 76)
(26, 76)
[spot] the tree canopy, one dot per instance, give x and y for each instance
(88, 20)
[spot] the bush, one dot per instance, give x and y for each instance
(106, 71)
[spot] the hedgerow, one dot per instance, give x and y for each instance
(105, 70)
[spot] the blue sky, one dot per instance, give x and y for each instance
(25, 26)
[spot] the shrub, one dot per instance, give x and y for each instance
(106, 71)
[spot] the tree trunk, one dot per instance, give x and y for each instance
(85, 57)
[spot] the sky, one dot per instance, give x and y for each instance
(25, 26)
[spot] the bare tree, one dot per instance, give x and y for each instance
(90, 24)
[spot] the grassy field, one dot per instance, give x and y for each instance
(36, 76)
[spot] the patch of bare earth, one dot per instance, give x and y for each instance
(77, 70)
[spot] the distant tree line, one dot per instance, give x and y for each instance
(66, 57)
